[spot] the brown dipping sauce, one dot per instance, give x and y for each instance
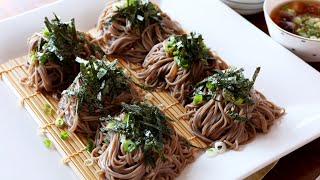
(299, 17)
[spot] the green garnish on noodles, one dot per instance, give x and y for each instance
(187, 49)
(143, 126)
(139, 13)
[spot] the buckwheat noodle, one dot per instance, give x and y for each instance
(118, 164)
(162, 72)
(210, 121)
(84, 118)
(132, 44)
(52, 76)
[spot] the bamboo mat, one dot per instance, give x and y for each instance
(73, 149)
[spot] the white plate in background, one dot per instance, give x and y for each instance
(284, 79)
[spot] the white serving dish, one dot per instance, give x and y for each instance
(306, 48)
(283, 79)
(245, 7)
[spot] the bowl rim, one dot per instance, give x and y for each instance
(282, 30)
(246, 2)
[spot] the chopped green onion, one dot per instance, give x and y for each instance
(126, 117)
(48, 109)
(176, 53)
(50, 112)
(228, 95)
(110, 125)
(89, 145)
(59, 122)
(129, 146)
(33, 56)
(46, 32)
(239, 101)
(212, 152)
(64, 135)
(209, 85)
(47, 142)
(197, 99)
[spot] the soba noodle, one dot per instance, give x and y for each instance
(232, 122)
(161, 71)
(50, 73)
(117, 163)
(91, 96)
(120, 36)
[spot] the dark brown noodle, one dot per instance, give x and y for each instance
(132, 45)
(53, 77)
(160, 71)
(86, 122)
(118, 164)
(211, 122)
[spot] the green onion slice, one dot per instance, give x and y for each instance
(47, 109)
(59, 122)
(46, 32)
(126, 117)
(64, 135)
(209, 85)
(129, 146)
(239, 101)
(47, 142)
(197, 99)
(89, 145)
(110, 125)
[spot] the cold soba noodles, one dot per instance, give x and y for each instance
(52, 53)
(299, 17)
(140, 143)
(98, 90)
(130, 28)
(178, 63)
(227, 108)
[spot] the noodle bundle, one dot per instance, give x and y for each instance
(99, 89)
(178, 63)
(52, 53)
(226, 108)
(157, 152)
(131, 28)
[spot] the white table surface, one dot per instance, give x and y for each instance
(22, 153)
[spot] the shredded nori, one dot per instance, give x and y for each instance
(100, 79)
(232, 84)
(139, 13)
(145, 125)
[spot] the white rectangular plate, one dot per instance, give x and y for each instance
(284, 79)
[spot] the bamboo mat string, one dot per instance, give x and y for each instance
(21, 102)
(10, 69)
(192, 138)
(43, 129)
(171, 105)
(68, 158)
(47, 125)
